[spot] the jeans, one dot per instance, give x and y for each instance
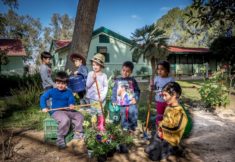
(129, 117)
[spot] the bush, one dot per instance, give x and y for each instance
(29, 95)
(9, 82)
(214, 91)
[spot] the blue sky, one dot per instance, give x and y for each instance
(121, 16)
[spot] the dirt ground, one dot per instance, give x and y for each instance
(212, 139)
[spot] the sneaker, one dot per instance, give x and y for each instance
(60, 143)
(152, 146)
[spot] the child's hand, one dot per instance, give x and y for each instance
(133, 101)
(75, 73)
(72, 107)
(114, 104)
(94, 76)
(159, 132)
(45, 110)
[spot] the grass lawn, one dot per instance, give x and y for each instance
(190, 89)
(30, 117)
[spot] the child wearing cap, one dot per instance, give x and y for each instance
(92, 94)
(80, 63)
(45, 71)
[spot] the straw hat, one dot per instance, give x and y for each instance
(78, 56)
(99, 59)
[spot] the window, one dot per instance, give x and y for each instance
(104, 51)
(103, 38)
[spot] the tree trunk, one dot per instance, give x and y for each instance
(153, 65)
(82, 34)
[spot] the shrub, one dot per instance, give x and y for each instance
(9, 82)
(214, 91)
(28, 95)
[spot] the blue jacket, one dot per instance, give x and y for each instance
(83, 70)
(130, 80)
(59, 99)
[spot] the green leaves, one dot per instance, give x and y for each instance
(145, 42)
(213, 92)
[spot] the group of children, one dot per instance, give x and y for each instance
(171, 119)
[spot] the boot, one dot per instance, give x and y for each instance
(100, 124)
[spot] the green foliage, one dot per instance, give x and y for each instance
(182, 33)
(3, 58)
(29, 95)
(209, 13)
(224, 46)
(110, 88)
(150, 43)
(25, 28)
(12, 82)
(214, 92)
(30, 117)
(102, 143)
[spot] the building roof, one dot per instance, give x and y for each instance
(65, 43)
(111, 33)
(177, 49)
(13, 47)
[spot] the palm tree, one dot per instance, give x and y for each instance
(150, 43)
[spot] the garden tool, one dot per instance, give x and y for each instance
(146, 136)
(95, 104)
(101, 119)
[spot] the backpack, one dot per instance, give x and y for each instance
(189, 125)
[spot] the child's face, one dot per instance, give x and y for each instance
(61, 85)
(46, 61)
(77, 62)
(96, 67)
(126, 72)
(161, 71)
(170, 99)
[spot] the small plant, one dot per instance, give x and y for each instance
(214, 91)
(103, 143)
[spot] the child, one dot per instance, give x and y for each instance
(45, 71)
(92, 93)
(126, 93)
(80, 62)
(163, 70)
(171, 128)
(63, 97)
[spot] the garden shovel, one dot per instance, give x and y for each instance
(146, 136)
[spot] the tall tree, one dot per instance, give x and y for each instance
(212, 12)
(150, 43)
(181, 33)
(3, 59)
(25, 28)
(84, 24)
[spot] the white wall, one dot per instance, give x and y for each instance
(118, 50)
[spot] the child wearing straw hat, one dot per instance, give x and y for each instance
(97, 87)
